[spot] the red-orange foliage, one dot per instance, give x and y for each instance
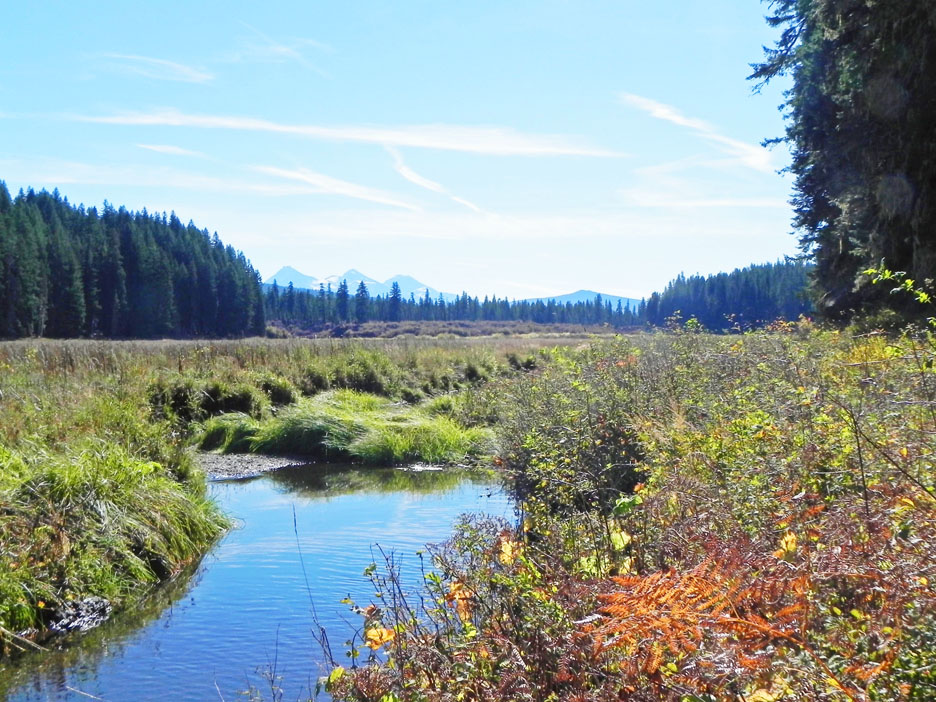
(824, 613)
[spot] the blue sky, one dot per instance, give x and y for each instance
(512, 148)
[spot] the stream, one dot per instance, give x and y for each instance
(243, 615)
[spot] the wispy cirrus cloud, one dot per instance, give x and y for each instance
(57, 172)
(491, 140)
(157, 68)
(171, 150)
(413, 177)
(265, 49)
(324, 184)
(750, 155)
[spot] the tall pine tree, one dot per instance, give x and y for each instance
(860, 125)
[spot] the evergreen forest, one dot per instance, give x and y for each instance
(68, 271)
(743, 299)
(860, 129)
(315, 309)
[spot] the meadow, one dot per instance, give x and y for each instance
(702, 517)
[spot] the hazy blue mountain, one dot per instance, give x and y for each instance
(589, 296)
(354, 278)
(287, 274)
(408, 284)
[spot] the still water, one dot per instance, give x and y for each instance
(217, 631)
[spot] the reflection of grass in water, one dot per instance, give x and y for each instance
(330, 481)
(84, 651)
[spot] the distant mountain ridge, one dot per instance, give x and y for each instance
(589, 296)
(287, 274)
(408, 284)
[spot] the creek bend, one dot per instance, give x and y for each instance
(217, 630)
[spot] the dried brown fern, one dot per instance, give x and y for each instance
(717, 603)
(845, 590)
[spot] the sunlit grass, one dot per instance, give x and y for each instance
(348, 425)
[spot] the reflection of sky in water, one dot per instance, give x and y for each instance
(248, 602)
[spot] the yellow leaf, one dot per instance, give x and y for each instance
(509, 550)
(335, 675)
(787, 545)
(378, 636)
(460, 598)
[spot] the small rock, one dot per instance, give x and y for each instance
(80, 615)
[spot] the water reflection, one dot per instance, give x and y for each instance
(319, 481)
(247, 604)
(39, 671)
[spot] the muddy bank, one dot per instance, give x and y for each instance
(242, 465)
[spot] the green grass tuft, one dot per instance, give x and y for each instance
(348, 425)
(92, 521)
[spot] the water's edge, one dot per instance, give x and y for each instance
(246, 604)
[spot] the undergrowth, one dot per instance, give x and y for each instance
(703, 518)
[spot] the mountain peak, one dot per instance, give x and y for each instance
(589, 296)
(408, 284)
(287, 274)
(352, 274)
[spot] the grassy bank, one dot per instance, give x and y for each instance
(99, 493)
(346, 425)
(744, 517)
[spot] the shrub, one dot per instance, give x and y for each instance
(279, 390)
(185, 399)
(313, 381)
(781, 546)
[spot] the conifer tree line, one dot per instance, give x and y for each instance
(745, 298)
(749, 297)
(68, 271)
(324, 306)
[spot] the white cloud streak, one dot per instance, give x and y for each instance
(278, 52)
(498, 141)
(648, 228)
(159, 69)
(171, 150)
(750, 155)
(57, 172)
(660, 199)
(413, 177)
(327, 185)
